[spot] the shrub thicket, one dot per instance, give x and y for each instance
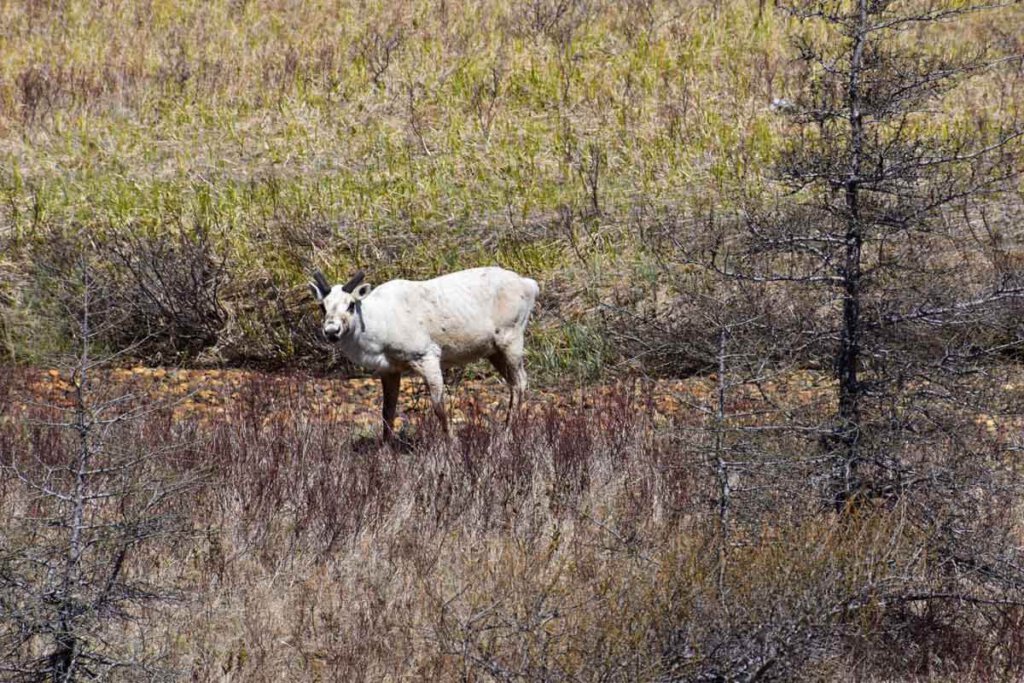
(587, 542)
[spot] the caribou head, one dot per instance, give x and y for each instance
(340, 303)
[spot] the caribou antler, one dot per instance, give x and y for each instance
(351, 285)
(321, 283)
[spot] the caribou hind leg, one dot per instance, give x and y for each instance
(500, 364)
(511, 368)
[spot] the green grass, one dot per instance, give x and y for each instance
(407, 138)
(478, 113)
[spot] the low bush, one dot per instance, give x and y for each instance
(587, 542)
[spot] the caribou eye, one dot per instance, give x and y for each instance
(352, 306)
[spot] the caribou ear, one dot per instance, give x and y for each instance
(351, 285)
(361, 291)
(315, 291)
(320, 286)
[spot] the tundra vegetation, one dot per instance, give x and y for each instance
(779, 250)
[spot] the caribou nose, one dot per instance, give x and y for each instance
(331, 333)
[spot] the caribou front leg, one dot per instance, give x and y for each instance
(430, 369)
(390, 384)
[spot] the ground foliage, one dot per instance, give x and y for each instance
(586, 543)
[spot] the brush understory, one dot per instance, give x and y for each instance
(586, 543)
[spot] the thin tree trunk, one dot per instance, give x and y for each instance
(65, 655)
(848, 359)
(721, 467)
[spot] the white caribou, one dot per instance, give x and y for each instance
(426, 326)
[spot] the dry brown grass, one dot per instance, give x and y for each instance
(585, 544)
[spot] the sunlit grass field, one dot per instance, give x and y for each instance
(407, 138)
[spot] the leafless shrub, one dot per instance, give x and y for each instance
(43, 88)
(486, 97)
(378, 50)
(557, 20)
(272, 320)
(168, 289)
(38, 92)
(161, 294)
(84, 491)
